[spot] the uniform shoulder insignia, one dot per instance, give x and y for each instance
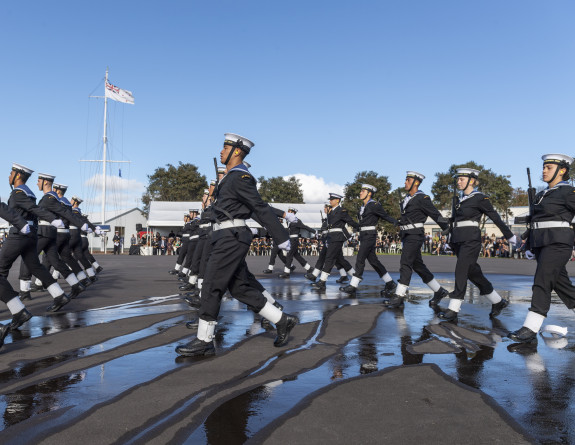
(426, 196)
(486, 197)
(246, 176)
(18, 191)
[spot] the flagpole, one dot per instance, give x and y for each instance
(104, 158)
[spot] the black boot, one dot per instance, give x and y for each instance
(523, 335)
(35, 288)
(193, 301)
(173, 272)
(389, 289)
(196, 347)
(4, 329)
(498, 307)
(342, 279)
(349, 289)
(58, 303)
(310, 276)
(396, 301)
(99, 269)
(76, 289)
(182, 275)
(93, 279)
(320, 285)
(284, 327)
(194, 293)
(19, 319)
(448, 315)
(437, 296)
(25, 295)
(268, 271)
(292, 268)
(193, 324)
(284, 275)
(186, 287)
(85, 282)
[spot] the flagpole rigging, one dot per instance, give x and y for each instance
(105, 152)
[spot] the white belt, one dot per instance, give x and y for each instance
(230, 223)
(73, 227)
(466, 224)
(334, 230)
(294, 236)
(550, 224)
(366, 228)
(63, 230)
(84, 236)
(204, 226)
(185, 235)
(194, 237)
(412, 226)
(42, 223)
(324, 232)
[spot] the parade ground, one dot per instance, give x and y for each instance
(103, 370)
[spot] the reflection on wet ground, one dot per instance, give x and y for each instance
(534, 385)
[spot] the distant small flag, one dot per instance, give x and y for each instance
(118, 94)
(120, 172)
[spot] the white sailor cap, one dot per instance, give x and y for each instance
(555, 158)
(237, 141)
(186, 215)
(247, 164)
(221, 170)
(369, 187)
(292, 209)
(46, 177)
(335, 196)
(60, 187)
(206, 191)
(471, 172)
(22, 169)
(416, 175)
(213, 182)
(78, 200)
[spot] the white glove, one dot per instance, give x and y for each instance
(98, 231)
(290, 217)
(254, 231)
(58, 223)
(88, 230)
(513, 239)
(25, 230)
(529, 255)
(84, 227)
(285, 245)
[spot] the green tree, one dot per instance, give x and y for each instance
(519, 197)
(174, 183)
(497, 187)
(352, 203)
(278, 189)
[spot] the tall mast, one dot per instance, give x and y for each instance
(105, 153)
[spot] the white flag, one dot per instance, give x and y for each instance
(119, 94)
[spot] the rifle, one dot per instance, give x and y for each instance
(531, 198)
(217, 177)
(453, 204)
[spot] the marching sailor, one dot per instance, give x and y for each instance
(368, 217)
(236, 199)
(295, 226)
(465, 240)
(84, 233)
(415, 209)
(550, 240)
(194, 231)
(185, 237)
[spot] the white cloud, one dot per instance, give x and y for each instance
(120, 192)
(316, 190)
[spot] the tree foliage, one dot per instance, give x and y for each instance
(519, 197)
(497, 187)
(351, 191)
(278, 189)
(174, 183)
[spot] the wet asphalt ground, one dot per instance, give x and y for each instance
(104, 370)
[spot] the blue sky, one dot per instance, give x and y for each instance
(324, 88)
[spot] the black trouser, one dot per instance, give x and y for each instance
(21, 245)
(367, 252)
(183, 251)
(197, 259)
(340, 262)
(411, 260)
(63, 243)
(190, 253)
(276, 252)
(467, 268)
(48, 245)
(294, 253)
(86, 250)
(77, 250)
(551, 275)
(333, 253)
(206, 252)
(116, 249)
(227, 269)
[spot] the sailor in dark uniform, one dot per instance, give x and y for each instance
(415, 209)
(185, 238)
(295, 227)
(236, 199)
(47, 239)
(76, 229)
(551, 240)
(23, 201)
(465, 240)
(337, 219)
(63, 240)
(368, 217)
(204, 226)
(91, 228)
(194, 230)
(276, 252)
(7, 294)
